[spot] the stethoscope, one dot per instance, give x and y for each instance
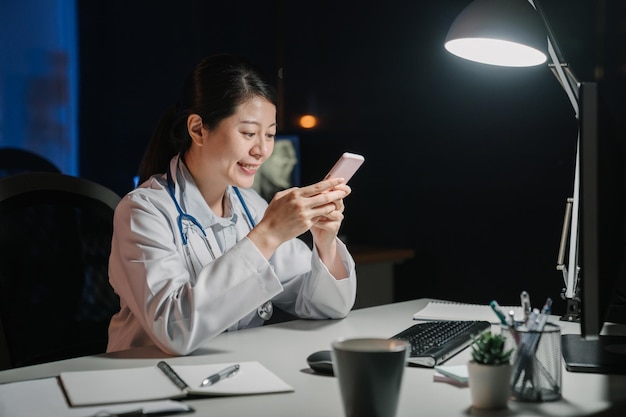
(266, 309)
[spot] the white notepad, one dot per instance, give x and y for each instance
(44, 397)
(457, 372)
(442, 310)
(452, 374)
(151, 383)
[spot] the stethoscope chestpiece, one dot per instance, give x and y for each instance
(266, 310)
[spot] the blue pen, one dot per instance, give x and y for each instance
(496, 309)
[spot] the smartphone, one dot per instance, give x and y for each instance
(346, 166)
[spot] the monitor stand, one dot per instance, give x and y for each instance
(605, 355)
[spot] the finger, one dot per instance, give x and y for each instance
(322, 186)
(329, 211)
(333, 217)
(282, 193)
(328, 197)
(338, 206)
(345, 188)
(332, 221)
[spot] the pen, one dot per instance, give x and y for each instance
(173, 376)
(224, 373)
(513, 327)
(547, 307)
(525, 301)
(496, 309)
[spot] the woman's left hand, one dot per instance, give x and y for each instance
(324, 231)
(326, 228)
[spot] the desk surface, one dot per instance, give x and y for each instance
(283, 348)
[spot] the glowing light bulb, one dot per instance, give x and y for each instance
(308, 121)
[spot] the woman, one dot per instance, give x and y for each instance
(195, 251)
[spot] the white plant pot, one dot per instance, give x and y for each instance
(490, 385)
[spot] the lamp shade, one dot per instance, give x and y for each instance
(499, 32)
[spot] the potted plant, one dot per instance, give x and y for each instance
(489, 371)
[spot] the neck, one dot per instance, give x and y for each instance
(213, 198)
(213, 194)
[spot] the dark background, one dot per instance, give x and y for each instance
(469, 165)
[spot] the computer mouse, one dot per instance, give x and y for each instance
(321, 362)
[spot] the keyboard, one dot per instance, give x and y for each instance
(434, 342)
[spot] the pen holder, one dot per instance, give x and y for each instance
(536, 360)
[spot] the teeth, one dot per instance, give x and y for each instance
(251, 167)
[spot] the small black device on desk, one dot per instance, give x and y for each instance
(321, 362)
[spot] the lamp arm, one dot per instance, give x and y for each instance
(560, 262)
(573, 269)
(565, 77)
(559, 66)
(539, 8)
(571, 86)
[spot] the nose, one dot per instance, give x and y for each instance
(261, 149)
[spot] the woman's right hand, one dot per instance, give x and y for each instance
(294, 211)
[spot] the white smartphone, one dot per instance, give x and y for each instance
(346, 166)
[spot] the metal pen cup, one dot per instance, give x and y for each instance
(536, 360)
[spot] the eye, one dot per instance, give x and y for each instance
(270, 136)
(249, 134)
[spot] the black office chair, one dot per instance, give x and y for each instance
(55, 240)
(18, 161)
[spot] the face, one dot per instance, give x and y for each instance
(232, 152)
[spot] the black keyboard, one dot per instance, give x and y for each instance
(434, 342)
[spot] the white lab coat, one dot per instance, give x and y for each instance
(165, 303)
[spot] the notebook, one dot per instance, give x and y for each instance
(442, 310)
(152, 383)
(452, 374)
(44, 397)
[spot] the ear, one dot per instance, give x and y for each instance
(194, 127)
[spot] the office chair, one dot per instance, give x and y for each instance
(55, 298)
(16, 161)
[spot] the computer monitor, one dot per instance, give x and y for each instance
(282, 168)
(601, 241)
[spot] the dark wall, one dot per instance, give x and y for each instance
(469, 165)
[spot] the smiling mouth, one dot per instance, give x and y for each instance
(247, 167)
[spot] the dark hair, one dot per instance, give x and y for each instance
(213, 90)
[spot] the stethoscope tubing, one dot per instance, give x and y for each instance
(264, 311)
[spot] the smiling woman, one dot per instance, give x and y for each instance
(196, 251)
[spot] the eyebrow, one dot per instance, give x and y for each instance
(254, 122)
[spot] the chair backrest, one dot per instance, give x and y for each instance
(55, 240)
(17, 161)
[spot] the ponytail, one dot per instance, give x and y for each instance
(163, 145)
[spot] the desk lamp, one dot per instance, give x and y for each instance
(516, 33)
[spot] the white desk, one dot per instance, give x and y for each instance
(283, 348)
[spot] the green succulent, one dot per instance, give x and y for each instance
(489, 349)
